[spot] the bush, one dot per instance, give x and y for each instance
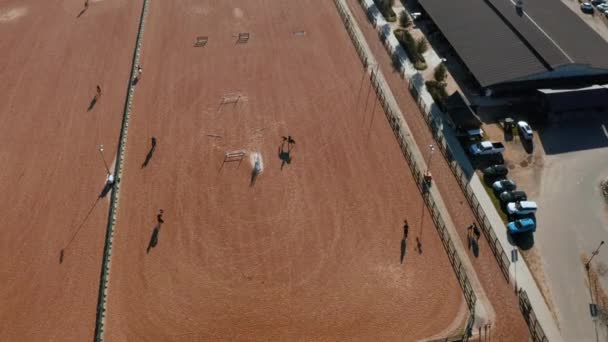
(385, 7)
(420, 65)
(409, 44)
(438, 92)
(422, 45)
(440, 73)
(405, 19)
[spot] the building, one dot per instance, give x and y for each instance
(518, 48)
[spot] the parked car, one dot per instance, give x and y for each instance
(521, 208)
(512, 196)
(602, 7)
(486, 147)
(587, 7)
(472, 134)
(525, 130)
(504, 185)
(521, 226)
(496, 170)
(597, 2)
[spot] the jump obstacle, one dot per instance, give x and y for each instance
(201, 41)
(242, 38)
(233, 156)
(231, 98)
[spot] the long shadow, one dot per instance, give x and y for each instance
(528, 145)
(81, 13)
(148, 156)
(106, 189)
(153, 238)
(79, 227)
(403, 248)
(475, 247)
(92, 104)
(254, 177)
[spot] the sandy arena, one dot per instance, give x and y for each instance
(52, 173)
(307, 250)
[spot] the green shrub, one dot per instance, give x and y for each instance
(408, 42)
(405, 20)
(438, 92)
(421, 45)
(440, 73)
(420, 65)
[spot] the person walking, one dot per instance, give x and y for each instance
(137, 74)
(98, 91)
(476, 231)
(86, 4)
(153, 143)
(159, 217)
(406, 229)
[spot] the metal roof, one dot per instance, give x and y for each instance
(498, 43)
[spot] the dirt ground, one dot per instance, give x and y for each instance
(309, 250)
(53, 173)
(509, 325)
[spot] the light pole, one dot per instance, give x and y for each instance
(593, 255)
(428, 164)
(432, 149)
(104, 159)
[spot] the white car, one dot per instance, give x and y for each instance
(521, 208)
(602, 7)
(525, 130)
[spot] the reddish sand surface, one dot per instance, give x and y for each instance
(310, 250)
(510, 324)
(52, 171)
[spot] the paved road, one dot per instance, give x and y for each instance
(572, 220)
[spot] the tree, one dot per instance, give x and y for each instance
(405, 19)
(440, 73)
(421, 45)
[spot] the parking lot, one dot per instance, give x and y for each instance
(561, 170)
(596, 20)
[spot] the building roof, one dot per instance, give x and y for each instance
(564, 100)
(500, 43)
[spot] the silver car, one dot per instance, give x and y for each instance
(504, 185)
(525, 130)
(521, 208)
